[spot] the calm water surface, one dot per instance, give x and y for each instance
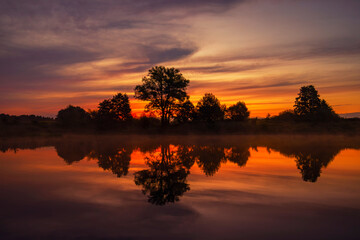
(131, 187)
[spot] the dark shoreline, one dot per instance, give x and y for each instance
(251, 127)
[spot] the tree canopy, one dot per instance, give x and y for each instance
(185, 111)
(209, 109)
(238, 111)
(73, 116)
(164, 88)
(309, 106)
(116, 109)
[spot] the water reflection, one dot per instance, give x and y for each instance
(169, 161)
(165, 181)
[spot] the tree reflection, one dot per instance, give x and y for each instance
(113, 158)
(169, 164)
(311, 163)
(310, 157)
(238, 155)
(165, 181)
(72, 151)
(209, 158)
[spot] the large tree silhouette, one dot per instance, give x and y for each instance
(73, 116)
(309, 106)
(113, 110)
(209, 109)
(238, 111)
(164, 88)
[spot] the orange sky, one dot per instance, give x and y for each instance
(54, 54)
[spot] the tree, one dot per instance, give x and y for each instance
(286, 115)
(309, 106)
(73, 116)
(209, 108)
(184, 111)
(238, 111)
(326, 111)
(116, 109)
(164, 88)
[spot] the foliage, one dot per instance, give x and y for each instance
(184, 111)
(112, 111)
(117, 108)
(309, 106)
(149, 121)
(73, 116)
(209, 109)
(164, 88)
(238, 111)
(287, 115)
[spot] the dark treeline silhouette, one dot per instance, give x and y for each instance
(170, 110)
(12, 119)
(169, 160)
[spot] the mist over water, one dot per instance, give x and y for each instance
(180, 187)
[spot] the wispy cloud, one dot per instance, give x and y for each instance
(80, 48)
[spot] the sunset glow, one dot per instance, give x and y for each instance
(56, 53)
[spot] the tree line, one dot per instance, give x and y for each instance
(165, 90)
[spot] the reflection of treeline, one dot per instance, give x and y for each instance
(311, 154)
(170, 109)
(169, 160)
(116, 156)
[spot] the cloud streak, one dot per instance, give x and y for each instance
(82, 47)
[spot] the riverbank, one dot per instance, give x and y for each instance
(252, 126)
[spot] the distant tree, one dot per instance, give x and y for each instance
(238, 112)
(73, 116)
(326, 111)
(309, 106)
(209, 109)
(116, 109)
(287, 115)
(164, 88)
(184, 111)
(148, 121)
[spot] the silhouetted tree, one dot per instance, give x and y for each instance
(209, 109)
(165, 181)
(309, 106)
(287, 115)
(184, 111)
(114, 110)
(326, 112)
(164, 88)
(73, 116)
(238, 112)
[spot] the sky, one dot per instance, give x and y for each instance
(59, 52)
